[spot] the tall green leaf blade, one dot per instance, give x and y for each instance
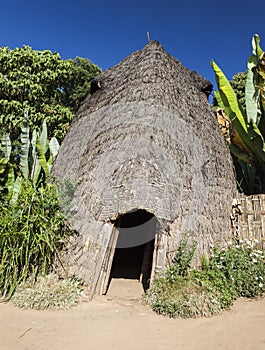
(220, 101)
(35, 166)
(44, 136)
(24, 153)
(41, 157)
(54, 147)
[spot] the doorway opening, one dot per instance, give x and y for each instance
(133, 256)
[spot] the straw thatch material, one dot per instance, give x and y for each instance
(146, 138)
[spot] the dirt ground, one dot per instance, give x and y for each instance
(115, 322)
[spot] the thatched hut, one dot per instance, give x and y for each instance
(150, 167)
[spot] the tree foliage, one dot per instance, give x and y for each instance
(44, 85)
(78, 85)
(238, 83)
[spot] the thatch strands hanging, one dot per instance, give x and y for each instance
(145, 138)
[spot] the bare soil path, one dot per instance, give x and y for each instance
(116, 323)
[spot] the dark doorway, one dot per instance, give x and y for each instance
(133, 255)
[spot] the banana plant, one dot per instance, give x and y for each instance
(247, 140)
(37, 153)
(255, 84)
(36, 156)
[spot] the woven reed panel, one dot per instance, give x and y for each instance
(251, 223)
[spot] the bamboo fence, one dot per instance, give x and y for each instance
(251, 220)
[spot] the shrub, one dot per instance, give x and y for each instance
(231, 272)
(181, 263)
(216, 282)
(243, 267)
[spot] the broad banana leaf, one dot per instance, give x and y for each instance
(228, 97)
(261, 85)
(255, 84)
(54, 148)
(252, 93)
(13, 185)
(35, 164)
(44, 136)
(41, 156)
(256, 141)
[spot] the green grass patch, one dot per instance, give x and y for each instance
(182, 298)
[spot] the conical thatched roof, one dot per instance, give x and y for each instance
(146, 138)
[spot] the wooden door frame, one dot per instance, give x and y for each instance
(107, 262)
(159, 255)
(158, 261)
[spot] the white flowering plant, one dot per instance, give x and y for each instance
(243, 267)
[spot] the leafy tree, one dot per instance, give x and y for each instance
(238, 83)
(77, 87)
(44, 85)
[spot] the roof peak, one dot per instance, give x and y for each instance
(154, 43)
